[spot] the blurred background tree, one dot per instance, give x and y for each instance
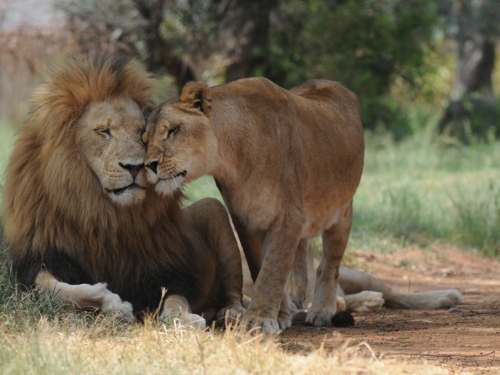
(188, 39)
(366, 44)
(392, 53)
(473, 110)
(424, 71)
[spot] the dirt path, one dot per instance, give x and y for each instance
(465, 339)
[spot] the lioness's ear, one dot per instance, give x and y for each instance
(197, 96)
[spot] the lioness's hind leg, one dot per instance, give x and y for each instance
(86, 296)
(324, 304)
(297, 280)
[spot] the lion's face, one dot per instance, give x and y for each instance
(180, 147)
(109, 138)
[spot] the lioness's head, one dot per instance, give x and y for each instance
(109, 138)
(180, 143)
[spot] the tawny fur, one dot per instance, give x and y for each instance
(287, 164)
(63, 229)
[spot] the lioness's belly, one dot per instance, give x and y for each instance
(316, 221)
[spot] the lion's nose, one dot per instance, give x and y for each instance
(153, 166)
(133, 169)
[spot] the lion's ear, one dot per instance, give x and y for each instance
(197, 96)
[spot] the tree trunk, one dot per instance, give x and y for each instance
(243, 31)
(476, 61)
(161, 54)
(471, 112)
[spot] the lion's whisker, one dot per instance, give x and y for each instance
(173, 178)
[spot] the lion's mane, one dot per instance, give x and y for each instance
(56, 215)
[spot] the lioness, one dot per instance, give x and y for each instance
(80, 220)
(287, 164)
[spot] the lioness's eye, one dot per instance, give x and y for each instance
(172, 131)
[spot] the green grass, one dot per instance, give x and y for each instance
(420, 191)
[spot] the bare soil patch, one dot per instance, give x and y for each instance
(464, 339)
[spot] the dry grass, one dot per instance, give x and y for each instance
(73, 345)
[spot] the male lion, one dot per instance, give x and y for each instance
(80, 220)
(287, 164)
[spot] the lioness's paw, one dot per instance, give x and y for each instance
(341, 304)
(297, 298)
(321, 318)
(269, 326)
(284, 319)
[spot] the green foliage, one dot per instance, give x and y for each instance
(364, 44)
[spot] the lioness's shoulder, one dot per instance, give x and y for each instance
(322, 88)
(248, 85)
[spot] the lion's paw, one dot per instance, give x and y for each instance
(193, 320)
(124, 308)
(196, 321)
(365, 301)
(451, 298)
(113, 302)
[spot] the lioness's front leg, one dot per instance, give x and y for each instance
(280, 245)
(298, 279)
(324, 304)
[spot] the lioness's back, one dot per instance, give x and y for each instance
(321, 118)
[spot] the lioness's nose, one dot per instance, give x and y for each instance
(133, 169)
(153, 166)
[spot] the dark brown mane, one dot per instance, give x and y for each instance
(54, 208)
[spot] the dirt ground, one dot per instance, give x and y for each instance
(464, 339)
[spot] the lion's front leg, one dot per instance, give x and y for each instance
(211, 220)
(86, 296)
(176, 308)
(229, 271)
